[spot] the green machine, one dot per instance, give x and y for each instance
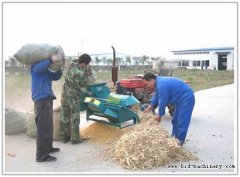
(113, 109)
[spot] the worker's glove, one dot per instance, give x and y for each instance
(91, 75)
(148, 109)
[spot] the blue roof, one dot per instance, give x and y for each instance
(206, 49)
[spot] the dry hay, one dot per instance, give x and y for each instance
(102, 134)
(149, 146)
(136, 108)
(145, 146)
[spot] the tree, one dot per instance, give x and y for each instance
(136, 60)
(7, 63)
(104, 60)
(13, 61)
(109, 61)
(119, 60)
(97, 60)
(160, 60)
(128, 60)
(144, 59)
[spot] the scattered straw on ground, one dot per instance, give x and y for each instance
(149, 146)
(102, 134)
(105, 134)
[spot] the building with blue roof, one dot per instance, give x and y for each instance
(220, 58)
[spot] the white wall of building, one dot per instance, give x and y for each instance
(214, 61)
(230, 61)
(212, 57)
(192, 57)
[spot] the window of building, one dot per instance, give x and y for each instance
(198, 63)
(185, 63)
(194, 63)
(207, 62)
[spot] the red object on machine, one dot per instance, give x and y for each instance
(132, 83)
(136, 82)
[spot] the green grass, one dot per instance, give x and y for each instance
(199, 79)
(18, 86)
(205, 79)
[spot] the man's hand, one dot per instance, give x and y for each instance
(148, 109)
(89, 70)
(158, 118)
(56, 58)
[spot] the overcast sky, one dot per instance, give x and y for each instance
(135, 29)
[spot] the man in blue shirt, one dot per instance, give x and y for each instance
(43, 97)
(170, 90)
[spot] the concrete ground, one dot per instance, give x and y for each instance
(210, 137)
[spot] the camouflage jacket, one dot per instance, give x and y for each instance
(91, 74)
(75, 80)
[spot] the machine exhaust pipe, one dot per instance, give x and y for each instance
(114, 68)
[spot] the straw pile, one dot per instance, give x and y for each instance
(149, 146)
(145, 146)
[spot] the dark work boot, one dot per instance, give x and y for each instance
(53, 150)
(81, 139)
(42, 149)
(66, 139)
(50, 146)
(48, 158)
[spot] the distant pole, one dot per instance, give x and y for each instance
(82, 45)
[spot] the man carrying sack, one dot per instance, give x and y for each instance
(43, 97)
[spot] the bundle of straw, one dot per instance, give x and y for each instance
(149, 146)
